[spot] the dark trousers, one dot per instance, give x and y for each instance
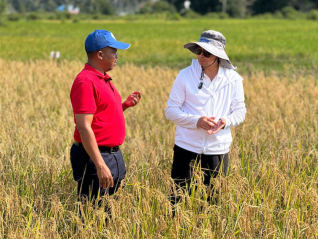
(85, 174)
(185, 162)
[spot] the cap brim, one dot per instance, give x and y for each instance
(120, 45)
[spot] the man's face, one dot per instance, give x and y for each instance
(205, 58)
(108, 56)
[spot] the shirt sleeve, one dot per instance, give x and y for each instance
(174, 111)
(82, 98)
(237, 108)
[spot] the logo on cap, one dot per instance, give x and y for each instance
(112, 35)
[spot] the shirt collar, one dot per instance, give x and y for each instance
(97, 73)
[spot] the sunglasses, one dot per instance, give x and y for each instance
(199, 50)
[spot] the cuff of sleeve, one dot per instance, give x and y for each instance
(84, 112)
(125, 105)
(227, 124)
(195, 121)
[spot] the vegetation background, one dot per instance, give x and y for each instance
(272, 187)
(233, 8)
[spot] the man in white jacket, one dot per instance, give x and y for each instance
(206, 100)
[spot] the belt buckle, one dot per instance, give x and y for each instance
(113, 149)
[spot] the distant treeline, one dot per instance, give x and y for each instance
(106, 7)
(233, 8)
(246, 7)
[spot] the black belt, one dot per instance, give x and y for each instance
(102, 149)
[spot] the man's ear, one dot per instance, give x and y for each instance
(100, 55)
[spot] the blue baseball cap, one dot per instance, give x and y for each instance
(100, 39)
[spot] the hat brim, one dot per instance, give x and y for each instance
(209, 48)
(218, 52)
(119, 45)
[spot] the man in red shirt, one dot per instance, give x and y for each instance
(97, 162)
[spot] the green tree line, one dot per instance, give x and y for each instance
(86, 6)
(245, 7)
(236, 8)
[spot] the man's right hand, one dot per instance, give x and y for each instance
(104, 176)
(206, 123)
(83, 124)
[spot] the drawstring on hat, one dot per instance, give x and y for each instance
(202, 72)
(201, 79)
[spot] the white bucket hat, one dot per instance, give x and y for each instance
(213, 42)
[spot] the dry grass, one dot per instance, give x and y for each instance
(271, 190)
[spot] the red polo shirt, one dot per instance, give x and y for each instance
(94, 93)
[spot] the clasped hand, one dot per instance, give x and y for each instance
(210, 125)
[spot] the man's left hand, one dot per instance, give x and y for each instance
(132, 100)
(217, 127)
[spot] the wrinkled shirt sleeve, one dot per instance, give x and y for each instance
(237, 108)
(83, 98)
(174, 111)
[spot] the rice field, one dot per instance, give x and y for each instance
(271, 190)
(253, 44)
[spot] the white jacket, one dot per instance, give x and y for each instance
(222, 98)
